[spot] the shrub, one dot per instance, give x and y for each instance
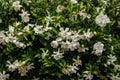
(59, 39)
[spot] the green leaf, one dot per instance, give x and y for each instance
(24, 62)
(34, 14)
(86, 72)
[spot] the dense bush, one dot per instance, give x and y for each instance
(59, 39)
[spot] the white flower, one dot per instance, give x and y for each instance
(29, 66)
(88, 76)
(30, 25)
(16, 5)
(49, 35)
(19, 44)
(36, 78)
(77, 61)
(98, 9)
(84, 14)
(25, 16)
(73, 1)
(47, 28)
(65, 71)
(65, 45)
(54, 44)
(115, 77)
(11, 38)
(65, 34)
(72, 69)
(59, 39)
(88, 16)
(44, 53)
(2, 37)
(38, 29)
(102, 20)
(98, 48)
(111, 59)
(20, 33)
(27, 1)
(105, 2)
(4, 76)
(49, 18)
(57, 55)
(116, 67)
(13, 66)
(87, 35)
(0, 20)
(11, 29)
(82, 49)
(23, 70)
(59, 8)
(17, 23)
(26, 28)
(76, 37)
(74, 45)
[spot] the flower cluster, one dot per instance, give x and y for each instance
(59, 40)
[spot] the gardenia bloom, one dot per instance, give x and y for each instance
(73, 1)
(72, 69)
(57, 55)
(25, 16)
(102, 20)
(87, 35)
(11, 38)
(27, 1)
(11, 29)
(88, 76)
(54, 44)
(59, 8)
(84, 14)
(44, 53)
(38, 29)
(105, 2)
(82, 49)
(0, 20)
(30, 66)
(26, 28)
(65, 45)
(77, 61)
(19, 44)
(49, 35)
(36, 78)
(98, 48)
(76, 37)
(23, 70)
(2, 37)
(116, 68)
(65, 71)
(4, 76)
(49, 18)
(47, 28)
(17, 24)
(115, 77)
(111, 59)
(13, 66)
(74, 45)
(16, 5)
(65, 34)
